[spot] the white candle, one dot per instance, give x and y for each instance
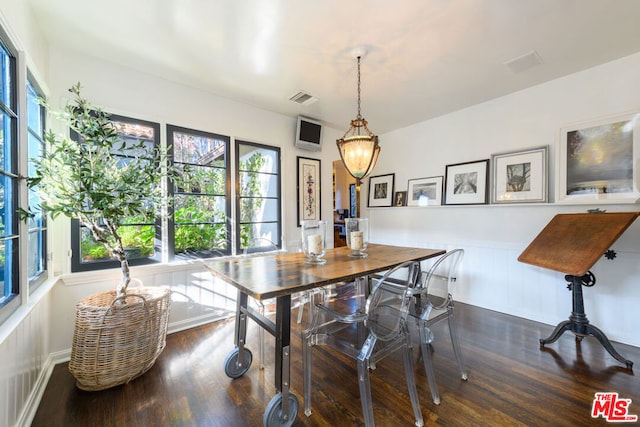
(314, 243)
(357, 240)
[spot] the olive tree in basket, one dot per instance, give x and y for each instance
(101, 179)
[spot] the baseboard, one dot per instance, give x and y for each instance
(33, 401)
(193, 322)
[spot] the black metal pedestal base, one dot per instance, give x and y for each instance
(578, 322)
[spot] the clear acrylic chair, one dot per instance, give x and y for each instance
(433, 302)
(384, 317)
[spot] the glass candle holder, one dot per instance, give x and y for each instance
(357, 233)
(314, 238)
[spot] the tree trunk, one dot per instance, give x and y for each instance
(121, 290)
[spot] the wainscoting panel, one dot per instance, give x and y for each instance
(23, 354)
(492, 277)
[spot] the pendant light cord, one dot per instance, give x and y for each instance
(359, 117)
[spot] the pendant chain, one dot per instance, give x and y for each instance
(359, 116)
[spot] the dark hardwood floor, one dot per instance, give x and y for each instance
(512, 381)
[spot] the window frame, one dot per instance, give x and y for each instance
(41, 230)
(171, 193)
(77, 265)
(238, 223)
(12, 291)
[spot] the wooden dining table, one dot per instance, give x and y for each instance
(280, 276)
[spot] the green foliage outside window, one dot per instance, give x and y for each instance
(199, 214)
(250, 193)
(197, 237)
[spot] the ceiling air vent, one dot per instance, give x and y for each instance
(524, 62)
(303, 98)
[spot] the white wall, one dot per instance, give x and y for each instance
(16, 19)
(494, 236)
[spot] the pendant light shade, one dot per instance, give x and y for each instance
(359, 147)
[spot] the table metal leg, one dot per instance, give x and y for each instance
(240, 336)
(578, 322)
(239, 360)
(283, 407)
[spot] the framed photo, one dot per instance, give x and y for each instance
(520, 176)
(425, 191)
(467, 183)
(596, 161)
(381, 190)
(308, 187)
(353, 200)
(400, 199)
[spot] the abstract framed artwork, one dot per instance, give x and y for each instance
(425, 191)
(467, 183)
(597, 161)
(381, 190)
(520, 176)
(308, 186)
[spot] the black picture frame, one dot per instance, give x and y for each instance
(308, 189)
(467, 183)
(381, 190)
(400, 198)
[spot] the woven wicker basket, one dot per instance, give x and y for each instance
(117, 340)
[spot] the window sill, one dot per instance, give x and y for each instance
(114, 274)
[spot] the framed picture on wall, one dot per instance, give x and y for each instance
(467, 183)
(353, 200)
(425, 191)
(308, 189)
(381, 190)
(400, 199)
(520, 176)
(597, 161)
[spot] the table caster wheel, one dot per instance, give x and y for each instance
(231, 366)
(273, 416)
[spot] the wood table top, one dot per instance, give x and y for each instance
(573, 243)
(269, 276)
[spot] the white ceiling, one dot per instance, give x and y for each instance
(424, 58)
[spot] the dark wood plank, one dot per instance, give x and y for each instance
(265, 277)
(512, 382)
(573, 243)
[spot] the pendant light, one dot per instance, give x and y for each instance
(358, 147)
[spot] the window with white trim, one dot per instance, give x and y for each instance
(37, 224)
(9, 181)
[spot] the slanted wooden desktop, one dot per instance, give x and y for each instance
(572, 244)
(280, 276)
